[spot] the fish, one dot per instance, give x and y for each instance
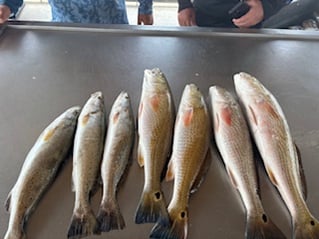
(117, 150)
(39, 170)
(155, 122)
(233, 141)
(189, 162)
(278, 151)
(87, 156)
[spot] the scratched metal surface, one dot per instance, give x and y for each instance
(45, 69)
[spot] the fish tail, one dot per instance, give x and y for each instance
(151, 208)
(176, 229)
(110, 217)
(82, 224)
(308, 229)
(262, 227)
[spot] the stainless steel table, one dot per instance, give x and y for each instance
(47, 68)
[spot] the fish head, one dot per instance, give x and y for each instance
(121, 104)
(192, 96)
(246, 84)
(96, 101)
(155, 80)
(73, 112)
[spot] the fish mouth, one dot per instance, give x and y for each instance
(97, 95)
(153, 76)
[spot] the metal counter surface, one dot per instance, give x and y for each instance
(46, 69)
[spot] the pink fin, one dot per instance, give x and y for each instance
(155, 102)
(226, 115)
(270, 109)
(188, 116)
(170, 171)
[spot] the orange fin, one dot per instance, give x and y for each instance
(170, 171)
(85, 119)
(49, 134)
(271, 176)
(188, 116)
(140, 158)
(155, 102)
(226, 115)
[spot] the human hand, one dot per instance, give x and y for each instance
(145, 19)
(186, 17)
(4, 13)
(254, 16)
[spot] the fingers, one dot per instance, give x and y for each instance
(4, 13)
(186, 17)
(253, 17)
(145, 19)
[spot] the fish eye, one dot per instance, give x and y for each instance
(312, 223)
(265, 219)
(183, 214)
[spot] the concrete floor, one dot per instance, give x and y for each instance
(165, 14)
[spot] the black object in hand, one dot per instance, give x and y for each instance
(239, 10)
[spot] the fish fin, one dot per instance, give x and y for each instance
(170, 171)
(140, 109)
(232, 177)
(216, 123)
(271, 176)
(226, 116)
(306, 230)
(176, 229)
(116, 117)
(7, 204)
(253, 115)
(85, 119)
(110, 217)
(140, 158)
(270, 109)
(302, 176)
(82, 224)
(155, 102)
(49, 133)
(152, 207)
(188, 116)
(262, 228)
(202, 172)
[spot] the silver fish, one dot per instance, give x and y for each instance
(117, 150)
(271, 132)
(234, 144)
(87, 155)
(155, 129)
(39, 170)
(189, 162)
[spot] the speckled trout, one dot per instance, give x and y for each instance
(155, 128)
(188, 163)
(39, 170)
(234, 144)
(117, 150)
(271, 132)
(87, 155)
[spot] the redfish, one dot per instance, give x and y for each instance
(272, 135)
(235, 146)
(155, 128)
(188, 162)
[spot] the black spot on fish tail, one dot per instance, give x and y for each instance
(308, 229)
(110, 217)
(82, 225)
(151, 208)
(262, 227)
